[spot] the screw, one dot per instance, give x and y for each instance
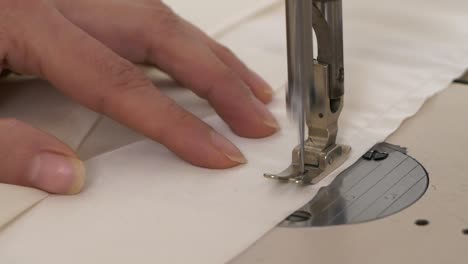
(299, 216)
(341, 74)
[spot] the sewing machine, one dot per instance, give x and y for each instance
(404, 201)
(375, 212)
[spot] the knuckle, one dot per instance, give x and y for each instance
(223, 81)
(164, 16)
(227, 81)
(228, 75)
(127, 76)
(165, 24)
(126, 80)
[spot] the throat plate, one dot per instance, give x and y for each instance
(383, 182)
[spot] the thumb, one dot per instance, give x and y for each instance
(31, 158)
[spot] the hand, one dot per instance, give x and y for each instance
(86, 48)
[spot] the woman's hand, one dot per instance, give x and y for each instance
(86, 48)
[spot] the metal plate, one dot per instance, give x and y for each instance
(383, 182)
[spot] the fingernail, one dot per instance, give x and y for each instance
(227, 148)
(265, 114)
(58, 174)
(267, 90)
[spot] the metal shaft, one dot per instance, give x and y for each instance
(300, 63)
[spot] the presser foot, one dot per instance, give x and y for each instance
(318, 165)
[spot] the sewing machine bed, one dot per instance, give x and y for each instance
(432, 231)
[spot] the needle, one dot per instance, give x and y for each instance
(300, 66)
(302, 137)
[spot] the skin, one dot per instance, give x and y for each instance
(100, 40)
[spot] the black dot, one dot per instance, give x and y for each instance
(321, 115)
(422, 222)
(465, 231)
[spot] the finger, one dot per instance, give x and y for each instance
(180, 52)
(3, 49)
(122, 36)
(31, 158)
(95, 76)
(257, 84)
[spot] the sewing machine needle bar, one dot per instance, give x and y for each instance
(300, 65)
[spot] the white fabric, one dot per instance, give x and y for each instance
(144, 205)
(216, 17)
(17, 200)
